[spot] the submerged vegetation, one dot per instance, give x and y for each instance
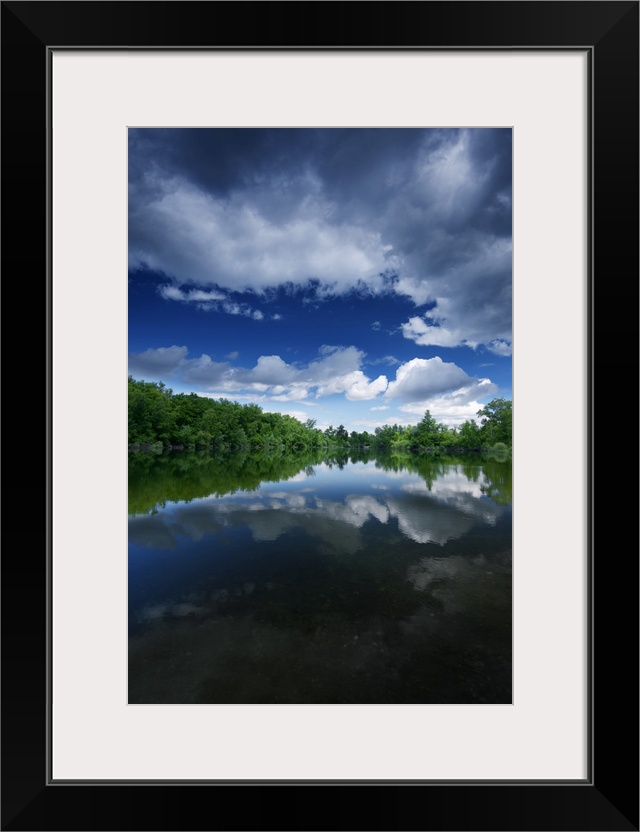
(160, 419)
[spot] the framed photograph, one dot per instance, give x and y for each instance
(464, 179)
(321, 518)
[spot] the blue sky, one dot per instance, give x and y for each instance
(351, 276)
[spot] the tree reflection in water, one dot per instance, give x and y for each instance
(351, 579)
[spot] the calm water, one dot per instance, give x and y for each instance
(280, 580)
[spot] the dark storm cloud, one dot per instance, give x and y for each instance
(223, 159)
(422, 213)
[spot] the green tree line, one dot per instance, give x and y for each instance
(493, 431)
(160, 418)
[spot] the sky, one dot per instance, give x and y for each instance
(357, 277)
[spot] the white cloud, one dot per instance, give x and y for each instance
(422, 378)
(428, 332)
(296, 394)
(372, 424)
(421, 384)
(443, 388)
(355, 385)
(337, 370)
(156, 363)
(272, 370)
(203, 370)
(170, 292)
(300, 415)
(389, 360)
(363, 389)
(236, 244)
(452, 408)
(233, 308)
(212, 300)
(429, 219)
(472, 300)
(500, 347)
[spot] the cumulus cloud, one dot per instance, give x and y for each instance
(156, 363)
(499, 347)
(425, 214)
(203, 371)
(422, 378)
(355, 385)
(471, 303)
(337, 370)
(272, 370)
(451, 408)
(443, 388)
(234, 243)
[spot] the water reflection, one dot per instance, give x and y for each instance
(265, 579)
(156, 480)
(436, 513)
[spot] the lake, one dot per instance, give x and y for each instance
(284, 579)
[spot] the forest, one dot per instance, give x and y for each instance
(160, 419)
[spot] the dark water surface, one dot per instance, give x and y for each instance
(280, 580)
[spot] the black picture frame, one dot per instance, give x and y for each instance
(608, 798)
